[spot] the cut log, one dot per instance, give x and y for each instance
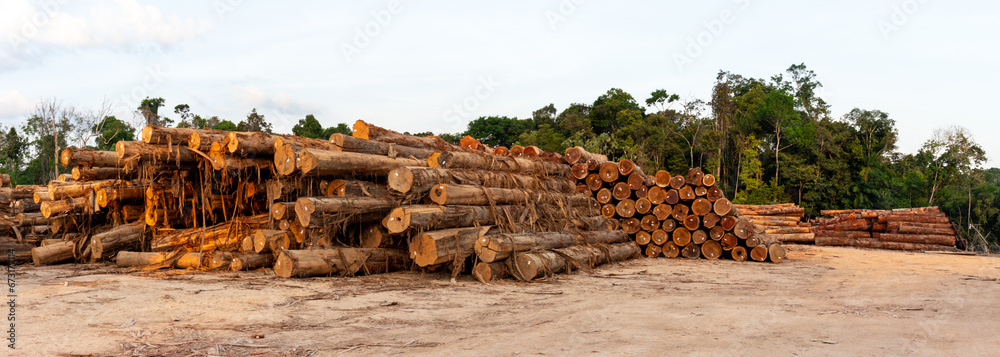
(325, 162)
(154, 153)
(692, 222)
(492, 248)
(353, 144)
(482, 161)
(728, 222)
(631, 225)
(480, 196)
(729, 241)
(946, 240)
(355, 188)
(686, 193)
(643, 206)
(486, 272)
(530, 266)
(677, 182)
(447, 245)
(263, 239)
(419, 180)
(708, 180)
(711, 250)
(72, 156)
(104, 246)
(660, 237)
(339, 261)
(225, 235)
(579, 171)
(775, 253)
(603, 196)
(621, 191)
(250, 261)
(759, 253)
(699, 237)
(609, 172)
(671, 250)
(738, 254)
(702, 206)
(643, 237)
(662, 212)
(308, 209)
(657, 195)
(53, 253)
(283, 210)
(649, 223)
(710, 220)
(579, 154)
(594, 182)
(793, 237)
(52, 208)
(681, 236)
(662, 179)
(83, 173)
(714, 193)
(625, 208)
(653, 250)
(694, 177)
(691, 251)
(366, 131)
(722, 207)
(680, 212)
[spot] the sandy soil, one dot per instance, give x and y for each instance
(822, 301)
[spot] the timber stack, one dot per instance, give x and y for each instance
(924, 228)
(670, 215)
(781, 222)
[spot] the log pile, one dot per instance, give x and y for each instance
(781, 222)
(372, 202)
(670, 216)
(925, 228)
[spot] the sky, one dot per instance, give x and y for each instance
(436, 65)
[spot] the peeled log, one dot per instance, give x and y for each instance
(106, 245)
(325, 162)
(481, 196)
(442, 246)
(529, 266)
(72, 156)
(467, 160)
(283, 210)
(308, 208)
(53, 253)
(251, 143)
(498, 247)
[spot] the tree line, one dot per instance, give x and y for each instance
(768, 141)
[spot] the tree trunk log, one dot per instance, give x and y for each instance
(352, 144)
(340, 261)
(104, 246)
(530, 266)
(325, 162)
(467, 160)
(481, 196)
(250, 261)
(308, 209)
(367, 131)
(154, 153)
(493, 248)
(447, 245)
(486, 272)
(72, 156)
(53, 253)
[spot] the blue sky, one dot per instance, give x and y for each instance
(407, 64)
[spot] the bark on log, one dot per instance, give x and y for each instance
(83, 173)
(498, 247)
(325, 162)
(738, 254)
(308, 209)
(154, 153)
(363, 130)
(223, 235)
(442, 246)
(579, 154)
(52, 208)
(53, 253)
(353, 144)
(419, 180)
(711, 250)
(250, 261)
(530, 266)
(106, 245)
(487, 272)
(339, 261)
(466, 160)
(283, 210)
(946, 240)
(72, 156)
(480, 196)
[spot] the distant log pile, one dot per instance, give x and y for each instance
(670, 216)
(925, 228)
(781, 222)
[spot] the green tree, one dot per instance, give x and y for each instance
(606, 109)
(545, 116)
(496, 131)
(149, 108)
(953, 154)
(309, 127)
(110, 131)
(225, 125)
(255, 123)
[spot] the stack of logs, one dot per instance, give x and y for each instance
(780, 222)
(371, 202)
(670, 216)
(925, 228)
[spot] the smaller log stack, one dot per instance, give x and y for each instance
(924, 228)
(781, 222)
(670, 216)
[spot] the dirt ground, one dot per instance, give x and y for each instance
(821, 301)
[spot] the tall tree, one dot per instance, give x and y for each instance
(953, 154)
(254, 122)
(111, 131)
(149, 109)
(496, 131)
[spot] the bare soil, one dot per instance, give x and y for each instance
(821, 301)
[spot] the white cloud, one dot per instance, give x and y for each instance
(30, 27)
(250, 96)
(15, 104)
